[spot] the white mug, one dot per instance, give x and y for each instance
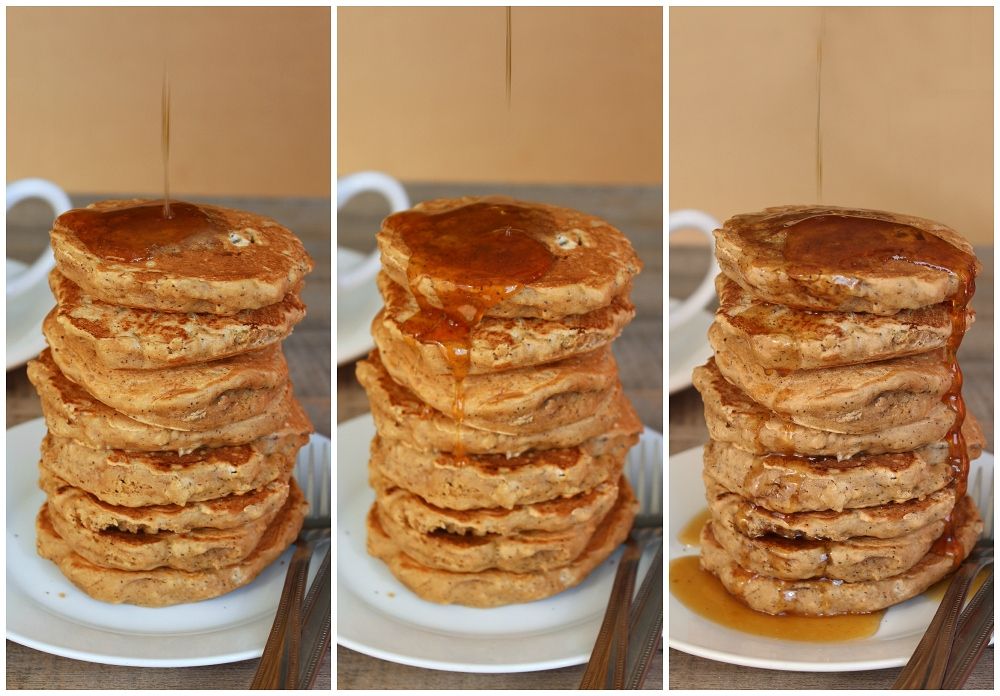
(347, 188)
(55, 197)
(706, 224)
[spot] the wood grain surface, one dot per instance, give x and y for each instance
(309, 361)
(638, 213)
(687, 429)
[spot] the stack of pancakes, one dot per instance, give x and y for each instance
(172, 428)
(837, 467)
(502, 425)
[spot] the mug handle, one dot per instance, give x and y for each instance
(706, 224)
(24, 189)
(350, 186)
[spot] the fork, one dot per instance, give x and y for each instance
(930, 666)
(611, 655)
(279, 665)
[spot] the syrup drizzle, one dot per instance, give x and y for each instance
(819, 108)
(508, 61)
(465, 260)
(165, 142)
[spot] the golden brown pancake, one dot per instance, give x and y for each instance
(227, 512)
(853, 399)
(593, 261)
(757, 251)
(779, 337)
(733, 417)
(828, 597)
(71, 412)
(141, 339)
(203, 396)
(503, 343)
(233, 261)
(400, 415)
(526, 400)
(479, 481)
(165, 586)
(493, 588)
(135, 479)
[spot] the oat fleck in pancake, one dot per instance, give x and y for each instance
(141, 339)
(844, 259)
(166, 586)
(205, 259)
(594, 262)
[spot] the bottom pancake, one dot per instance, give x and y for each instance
(166, 586)
(493, 588)
(828, 597)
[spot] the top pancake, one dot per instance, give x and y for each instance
(592, 261)
(917, 265)
(207, 259)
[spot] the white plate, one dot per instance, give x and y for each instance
(891, 646)
(47, 612)
(355, 310)
(378, 616)
(24, 319)
(689, 348)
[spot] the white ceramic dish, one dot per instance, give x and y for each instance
(689, 348)
(891, 646)
(378, 616)
(24, 319)
(355, 310)
(47, 612)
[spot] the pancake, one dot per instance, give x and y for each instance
(400, 415)
(91, 513)
(493, 588)
(555, 515)
(207, 259)
(828, 597)
(853, 399)
(141, 339)
(906, 266)
(205, 548)
(526, 400)
(166, 586)
(71, 412)
(483, 481)
(505, 343)
(203, 396)
(879, 521)
(786, 483)
(136, 479)
(516, 552)
(852, 560)
(779, 337)
(734, 418)
(592, 261)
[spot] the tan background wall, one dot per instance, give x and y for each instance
(250, 99)
(907, 110)
(421, 94)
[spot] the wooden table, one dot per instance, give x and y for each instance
(309, 361)
(687, 430)
(638, 213)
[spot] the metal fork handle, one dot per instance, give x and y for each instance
(927, 666)
(596, 674)
(645, 622)
(975, 626)
(316, 630)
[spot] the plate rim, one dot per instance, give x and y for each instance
(345, 592)
(95, 656)
(678, 460)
